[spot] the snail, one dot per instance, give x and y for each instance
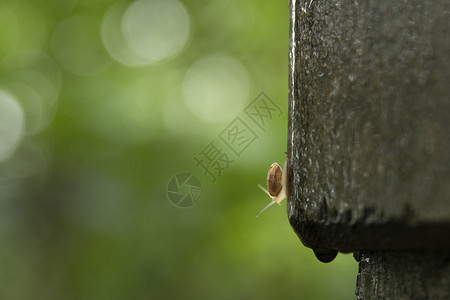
(276, 184)
(276, 189)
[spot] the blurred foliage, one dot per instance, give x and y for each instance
(84, 212)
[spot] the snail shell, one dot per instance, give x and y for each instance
(274, 175)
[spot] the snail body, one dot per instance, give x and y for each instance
(276, 184)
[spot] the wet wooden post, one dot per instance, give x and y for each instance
(369, 140)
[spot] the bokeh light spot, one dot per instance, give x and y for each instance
(157, 29)
(32, 105)
(38, 97)
(114, 40)
(11, 124)
(35, 80)
(216, 87)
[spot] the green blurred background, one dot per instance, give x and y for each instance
(102, 102)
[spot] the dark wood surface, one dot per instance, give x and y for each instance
(369, 124)
(403, 275)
